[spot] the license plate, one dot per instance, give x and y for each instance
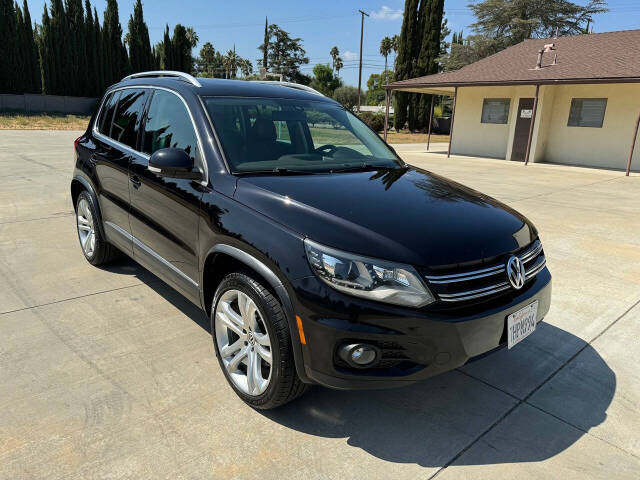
(522, 323)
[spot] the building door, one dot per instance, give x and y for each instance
(521, 135)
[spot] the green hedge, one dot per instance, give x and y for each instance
(374, 120)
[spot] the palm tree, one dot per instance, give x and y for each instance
(192, 37)
(230, 62)
(334, 56)
(246, 67)
(386, 46)
(395, 46)
(338, 65)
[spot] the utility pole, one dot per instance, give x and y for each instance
(360, 70)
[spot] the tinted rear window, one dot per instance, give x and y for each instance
(124, 127)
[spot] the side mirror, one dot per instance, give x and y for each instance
(174, 163)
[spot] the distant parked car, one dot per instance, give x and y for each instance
(319, 255)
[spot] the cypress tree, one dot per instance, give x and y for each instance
(77, 83)
(9, 62)
(100, 58)
(406, 58)
(44, 52)
(265, 50)
(140, 54)
(430, 19)
(114, 50)
(91, 47)
(181, 49)
(21, 67)
(30, 52)
(166, 60)
(58, 49)
(418, 49)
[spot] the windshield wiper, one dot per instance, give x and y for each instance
(277, 171)
(366, 167)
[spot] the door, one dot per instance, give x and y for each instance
(164, 211)
(521, 135)
(117, 127)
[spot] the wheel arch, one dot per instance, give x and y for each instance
(222, 259)
(80, 184)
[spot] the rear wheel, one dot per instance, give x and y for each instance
(253, 344)
(94, 247)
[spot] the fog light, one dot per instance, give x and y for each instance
(360, 355)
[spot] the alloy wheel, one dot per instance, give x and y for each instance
(243, 342)
(86, 228)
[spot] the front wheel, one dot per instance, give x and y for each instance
(253, 344)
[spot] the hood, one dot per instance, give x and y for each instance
(406, 215)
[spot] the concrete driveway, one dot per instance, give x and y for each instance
(107, 373)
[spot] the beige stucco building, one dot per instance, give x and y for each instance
(570, 100)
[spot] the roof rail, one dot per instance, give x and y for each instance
(297, 86)
(165, 73)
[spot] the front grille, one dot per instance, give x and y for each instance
(474, 284)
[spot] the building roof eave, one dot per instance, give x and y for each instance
(447, 88)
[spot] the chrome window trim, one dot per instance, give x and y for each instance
(215, 134)
(117, 144)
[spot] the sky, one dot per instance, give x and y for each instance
(320, 24)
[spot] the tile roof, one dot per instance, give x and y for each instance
(598, 57)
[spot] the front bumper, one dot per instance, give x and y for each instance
(415, 343)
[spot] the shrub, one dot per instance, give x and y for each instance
(347, 96)
(374, 120)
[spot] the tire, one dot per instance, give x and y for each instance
(95, 248)
(283, 384)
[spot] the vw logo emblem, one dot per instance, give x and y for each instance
(515, 272)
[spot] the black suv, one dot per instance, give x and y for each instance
(319, 255)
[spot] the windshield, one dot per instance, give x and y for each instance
(274, 134)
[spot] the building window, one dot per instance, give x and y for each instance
(496, 110)
(587, 112)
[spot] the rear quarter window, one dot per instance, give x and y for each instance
(103, 123)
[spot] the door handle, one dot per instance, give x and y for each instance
(136, 181)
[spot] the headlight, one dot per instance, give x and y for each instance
(367, 277)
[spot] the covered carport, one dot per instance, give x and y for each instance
(568, 100)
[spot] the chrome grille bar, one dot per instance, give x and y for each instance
(481, 292)
(462, 277)
(533, 253)
(533, 271)
(534, 250)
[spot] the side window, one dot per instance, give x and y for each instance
(282, 131)
(169, 125)
(587, 112)
(495, 110)
(124, 127)
(106, 114)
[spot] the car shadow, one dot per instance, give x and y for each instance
(430, 422)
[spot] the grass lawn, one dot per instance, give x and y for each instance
(323, 135)
(42, 121)
(407, 137)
